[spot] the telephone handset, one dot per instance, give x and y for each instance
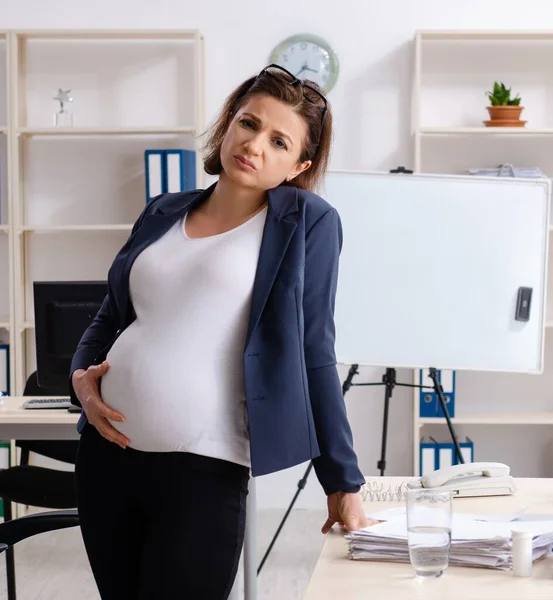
(470, 479)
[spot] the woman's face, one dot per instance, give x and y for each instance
(263, 144)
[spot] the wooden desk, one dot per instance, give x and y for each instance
(337, 576)
(36, 424)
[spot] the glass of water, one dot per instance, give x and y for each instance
(429, 515)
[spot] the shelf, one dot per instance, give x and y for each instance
(522, 418)
(70, 131)
(4, 324)
(158, 59)
(502, 131)
(512, 35)
(73, 228)
(108, 34)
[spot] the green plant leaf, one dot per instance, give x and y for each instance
(501, 95)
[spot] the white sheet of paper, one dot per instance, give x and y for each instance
(464, 528)
(400, 511)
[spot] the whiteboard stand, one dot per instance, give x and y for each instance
(389, 381)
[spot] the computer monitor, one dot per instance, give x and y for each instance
(63, 311)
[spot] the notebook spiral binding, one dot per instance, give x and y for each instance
(377, 491)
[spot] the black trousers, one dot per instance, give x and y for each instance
(159, 525)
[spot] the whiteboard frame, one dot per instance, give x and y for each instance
(542, 182)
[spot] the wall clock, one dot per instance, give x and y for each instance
(308, 57)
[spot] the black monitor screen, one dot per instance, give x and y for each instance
(63, 311)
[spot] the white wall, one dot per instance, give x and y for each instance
(372, 106)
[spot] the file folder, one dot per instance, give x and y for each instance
(447, 381)
(429, 403)
(168, 171)
(180, 169)
(428, 457)
(4, 369)
(467, 451)
(436, 455)
(446, 455)
(155, 173)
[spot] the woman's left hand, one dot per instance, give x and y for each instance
(346, 510)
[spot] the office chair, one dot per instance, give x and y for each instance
(36, 486)
(20, 529)
(14, 531)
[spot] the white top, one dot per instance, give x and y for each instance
(176, 373)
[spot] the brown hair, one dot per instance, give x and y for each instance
(293, 95)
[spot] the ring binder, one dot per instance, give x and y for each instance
(4, 370)
(170, 170)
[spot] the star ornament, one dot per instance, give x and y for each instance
(63, 96)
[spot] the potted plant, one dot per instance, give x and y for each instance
(504, 111)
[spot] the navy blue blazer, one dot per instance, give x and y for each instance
(296, 410)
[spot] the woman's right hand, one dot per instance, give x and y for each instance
(85, 384)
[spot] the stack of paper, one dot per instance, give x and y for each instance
(508, 170)
(474, 542)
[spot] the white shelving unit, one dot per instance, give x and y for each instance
(452, 72)
(6, 233)
(61, 220)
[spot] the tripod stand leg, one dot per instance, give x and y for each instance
(301, 484)
(390, 380)
(439, 392)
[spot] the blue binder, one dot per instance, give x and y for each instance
(180, 170)
(154, 163)
(442, 454)
(428, 456)
(171, 170)
(429, 403)
(4, 369)
(447, 381)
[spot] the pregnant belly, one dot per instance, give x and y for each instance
(173, 401)
(152, 423)
(150, 395)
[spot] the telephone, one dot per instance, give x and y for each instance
(470, 479)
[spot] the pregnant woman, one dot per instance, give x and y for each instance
(212, 356)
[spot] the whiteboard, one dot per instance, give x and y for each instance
(431, 266)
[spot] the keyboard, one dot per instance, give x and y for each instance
(47, 403)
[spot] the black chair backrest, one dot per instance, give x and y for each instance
(33, 389)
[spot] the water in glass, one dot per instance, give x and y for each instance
(429, 549)
(429, 515)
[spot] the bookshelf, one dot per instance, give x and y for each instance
(6, 233)
(452, 71)
(76, 190)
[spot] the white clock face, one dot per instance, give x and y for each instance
(307, 60)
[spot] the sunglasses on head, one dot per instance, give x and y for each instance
(310, 93)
